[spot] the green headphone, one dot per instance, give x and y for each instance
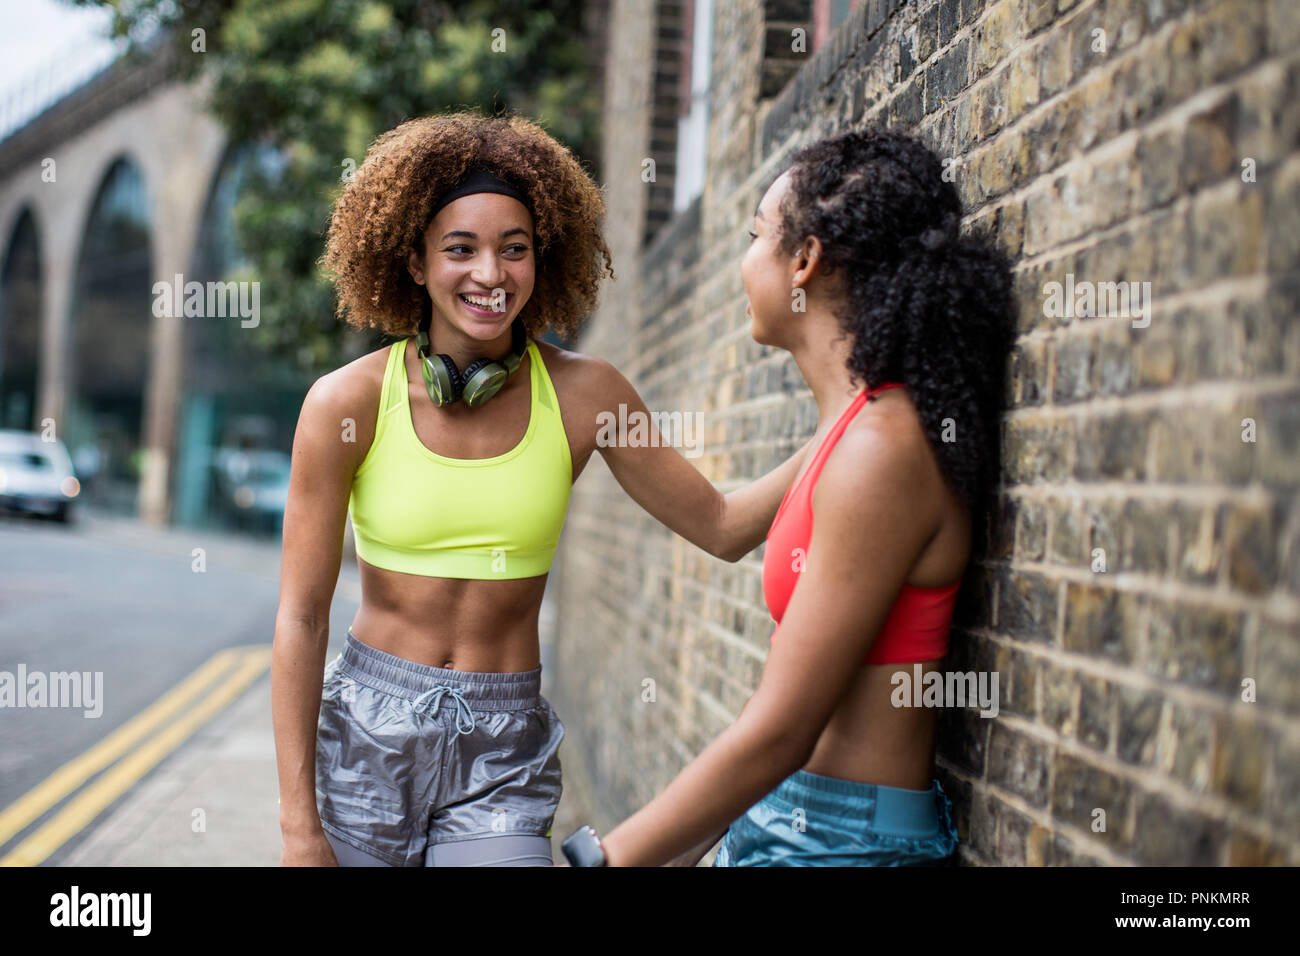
(481, 379)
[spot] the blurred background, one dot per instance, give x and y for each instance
(139, 141)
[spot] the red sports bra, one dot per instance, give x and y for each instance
(916, 628)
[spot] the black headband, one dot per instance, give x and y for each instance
(479, 179)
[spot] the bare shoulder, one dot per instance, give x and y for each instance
(349, 395)
(884, 455)
(575, 368)
(580, 380)
(883, 474)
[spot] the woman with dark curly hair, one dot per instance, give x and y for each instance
(901, 328)
(454, 450)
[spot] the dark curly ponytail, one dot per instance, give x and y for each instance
(924, 305)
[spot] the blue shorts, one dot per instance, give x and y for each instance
(425, 766)
(814, 820)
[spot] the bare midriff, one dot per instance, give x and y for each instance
(870, 740)
(460, 624)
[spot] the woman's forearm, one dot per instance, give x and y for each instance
(297, 668)
(732, 774)
(748, 512)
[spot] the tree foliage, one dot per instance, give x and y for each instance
(306, 85)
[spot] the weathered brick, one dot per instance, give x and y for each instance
(1198, 646)
(1208, 152)
(963, 736)
(1282, 240)
(1036, 14)
(1139, 721)
(1241, 749)
(1029, 373)
(996, 35)
(1059, 695)
(1057, 70)
(1072, 379)
(1198, 547)
(949, 16)
(1185, 745)
(1031, 530)
(1190, 447)
(1114, 446)
(1159, 171)
(947, 76)
(1027, 606)
(1150, 525)
(1103, 526)
(1013, 835)
(1081, 788)
(1233, 35)
(1283, 26)
(1100, 621)
(990, 105)
(927, 34)
(1167, 835)
(1248, 849)
(1277, 445)
(1019, 764)
(1017, 683)
(1251, 546)
(1115, 359)
(1277, 656)
(1283, 797)
(1142, 88)
(983, 824)
(1229, 226)
(1095, 708)
(1067, 545)
(1034, 453)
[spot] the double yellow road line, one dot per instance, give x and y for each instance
(218, 682)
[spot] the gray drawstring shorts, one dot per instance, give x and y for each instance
(425, 766)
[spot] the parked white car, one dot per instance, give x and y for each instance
(36, 476)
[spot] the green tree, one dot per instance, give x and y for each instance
(309, 84)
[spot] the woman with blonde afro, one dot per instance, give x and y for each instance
(454, 450)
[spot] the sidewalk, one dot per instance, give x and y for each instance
(221, 783)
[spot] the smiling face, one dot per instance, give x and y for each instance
(480, 246)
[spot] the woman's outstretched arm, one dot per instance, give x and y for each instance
(663, 482)
(850, 582)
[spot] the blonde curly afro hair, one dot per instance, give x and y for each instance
(382, 214)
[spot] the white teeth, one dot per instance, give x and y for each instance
(482, 303)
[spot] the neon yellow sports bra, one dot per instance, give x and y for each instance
(420, 513)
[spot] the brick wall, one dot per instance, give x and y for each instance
(1163, 149)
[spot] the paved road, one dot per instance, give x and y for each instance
(140, 610)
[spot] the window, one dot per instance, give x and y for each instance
(693, 122)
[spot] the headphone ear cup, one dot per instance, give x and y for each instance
(441, 380)
(481, 380)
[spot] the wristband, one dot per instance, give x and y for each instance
(582, 848)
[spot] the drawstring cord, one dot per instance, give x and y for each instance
(431, 700)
